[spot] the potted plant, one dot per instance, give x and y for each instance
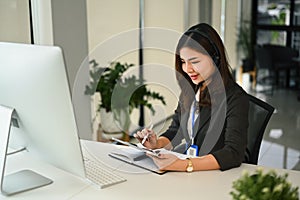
(263, 186)
(119, 95)
(244, 45)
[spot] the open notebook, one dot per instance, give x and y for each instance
(136, 155)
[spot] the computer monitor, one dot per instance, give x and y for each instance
(34, 86)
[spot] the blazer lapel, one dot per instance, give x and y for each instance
(201, 124)
(202, 119)
(184, 123)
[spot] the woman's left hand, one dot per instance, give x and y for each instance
(164, 161)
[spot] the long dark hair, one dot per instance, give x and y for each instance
(204, 39)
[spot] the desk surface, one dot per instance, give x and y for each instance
(140, 183)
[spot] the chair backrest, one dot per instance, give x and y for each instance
(263, 58)
(260, 113)
(281, 53)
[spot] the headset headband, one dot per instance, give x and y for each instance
(216, 56)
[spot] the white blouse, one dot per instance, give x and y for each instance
(195, 112)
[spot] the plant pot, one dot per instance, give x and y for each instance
(108, 123)
(111, 127)
(248, 65)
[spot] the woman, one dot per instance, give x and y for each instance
(212, 113)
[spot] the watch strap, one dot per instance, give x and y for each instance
(189, 167)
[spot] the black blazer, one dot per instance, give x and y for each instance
(221, 130)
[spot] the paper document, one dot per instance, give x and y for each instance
(137, 156)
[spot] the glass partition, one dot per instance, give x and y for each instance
(271, 37)
(14, 21)
(296, 19)
(273, 12)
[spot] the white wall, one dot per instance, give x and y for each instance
(167, 14)
(108, 18)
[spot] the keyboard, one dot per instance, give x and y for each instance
(100, 174)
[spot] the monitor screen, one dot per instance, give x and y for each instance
(33, 81)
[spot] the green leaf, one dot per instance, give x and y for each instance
(127, 91)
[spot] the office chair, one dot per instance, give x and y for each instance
(283, 61)
(265, 73)
(260, 113)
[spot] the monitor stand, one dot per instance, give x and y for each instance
(20, 181)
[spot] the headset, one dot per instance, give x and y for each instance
(216, 55)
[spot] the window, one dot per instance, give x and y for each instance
(273, 12)
(277, 22)
(15, 21)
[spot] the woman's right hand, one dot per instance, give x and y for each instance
(150, 142)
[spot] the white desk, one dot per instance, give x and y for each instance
(142, 184)
(65, 185)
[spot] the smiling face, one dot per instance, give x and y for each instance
(196, 65)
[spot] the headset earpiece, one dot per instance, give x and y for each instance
(216, 56)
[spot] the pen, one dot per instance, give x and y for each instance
(145, 138)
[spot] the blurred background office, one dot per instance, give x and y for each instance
(80, 26)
